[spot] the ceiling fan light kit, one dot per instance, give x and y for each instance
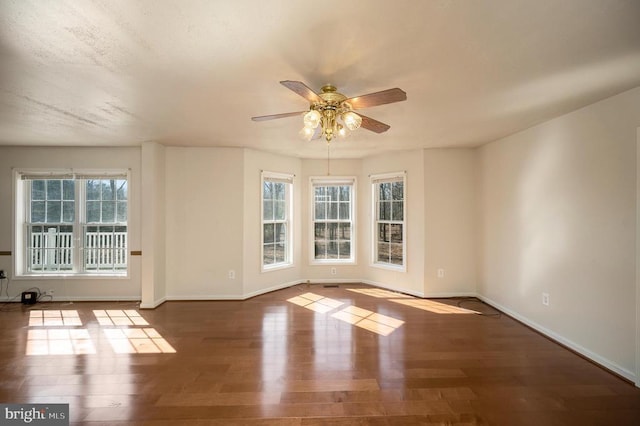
(331, 114)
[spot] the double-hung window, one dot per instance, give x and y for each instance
(389, 224)
(72, 223)
(277, 192)
(333, 220)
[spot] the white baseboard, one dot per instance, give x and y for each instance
(153, 305)
(273, 288)
(608, 364)
(388, 287)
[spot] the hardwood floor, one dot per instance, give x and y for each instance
(306, 355)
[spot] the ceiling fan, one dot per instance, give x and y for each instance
(331, 113)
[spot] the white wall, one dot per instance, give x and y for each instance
(450, 222)
(72, 288)
(256, 281)
(558, 215)
(153, 283)
(204, 222)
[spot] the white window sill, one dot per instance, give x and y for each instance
(27, 277)
(276, 267)
(390, 267)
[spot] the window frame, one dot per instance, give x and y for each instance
(289, 181)
(23, 179)
(316, 181)
(376, 180)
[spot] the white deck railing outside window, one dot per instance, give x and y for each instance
(51, 250)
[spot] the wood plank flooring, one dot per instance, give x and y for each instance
(305, 355)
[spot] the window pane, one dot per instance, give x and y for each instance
(320, 193)
(332, 250)
(396, 254)
(108, 189)
(54, 211)
(345, 193)
(344, 231)
(395, 231)
(68, 190)
(279, 191)
(383, 252)
(267, 209)
(93, 189)
(267, 190)
(320, 213)
(280, 253)
(280, 232)
(332, 193)
(108, 211)
(385, 191)
(383, 232)
(54, 190)
(268, 254)
(37, 211)
(345, 250)
(37, 190)
(397, 210)
(122, 192)
(268, 235)
(397, 190)
(93, 211)
(332, 229)
(68, 211)
(344, 211)
(320, 230)
(279, 207)
(122, 212)
(333, 211)
(320, 250)
(384, 210)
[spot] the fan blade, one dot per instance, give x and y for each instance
(377, 98)
(274, 116)
(373, 125)
(303, 90)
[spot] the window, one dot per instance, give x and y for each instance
(72, 224)
(389, 224)
(276, 220)
(333, 223)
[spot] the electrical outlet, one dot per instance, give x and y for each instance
(334, 271)
(545, 299)
(440, 273)
(232, 274)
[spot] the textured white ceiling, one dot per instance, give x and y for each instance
(192, 73)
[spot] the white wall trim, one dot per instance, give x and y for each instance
(153, 305)
(62, 299)
(629, 375)
(273, 288)
(388, 287)
(637, 381)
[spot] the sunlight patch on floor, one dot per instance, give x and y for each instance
(41, 318)
(119, 317)
(49, 333)
(432, 306)
(137, 340)
(59, 341)
(315, 302)
(379, 293)
(369, 320)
